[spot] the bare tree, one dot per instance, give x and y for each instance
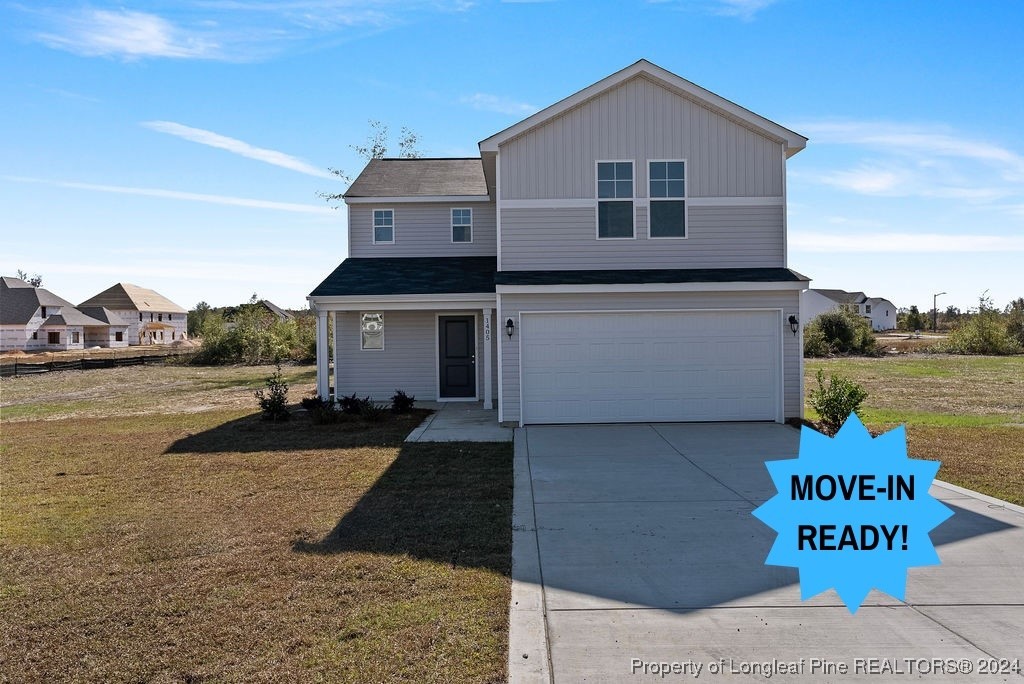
(376, 147)
(35, 280)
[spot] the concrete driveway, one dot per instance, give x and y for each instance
(634, 547)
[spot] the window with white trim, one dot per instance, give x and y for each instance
(383, 226)
(462, 225)
(615, 200)
(667, 211)
(371, 331)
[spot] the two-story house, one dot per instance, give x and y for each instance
(879, 311)
(619, 256)
(150, 317)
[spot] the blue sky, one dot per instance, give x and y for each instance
(179, 145)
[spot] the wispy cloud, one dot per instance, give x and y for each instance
(916, 243)
(179, 195)
(127, 34)
(230, 30)
(930, 161)
(239, 147)
(497, 103)
(741, 9)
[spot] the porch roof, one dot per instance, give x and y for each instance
(409, 275)
(649, 276)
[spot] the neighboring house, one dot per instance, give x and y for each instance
(619, 256)
(881, 312)
(33, 318)
(150, 317)
(281, 314)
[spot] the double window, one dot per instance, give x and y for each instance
(615, 200)
(462, 225)
(667, 211)
(383, 226)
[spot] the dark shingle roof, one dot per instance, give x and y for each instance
(420, 178)
(19, 303)
(413, 275)
(842, 296)
(69, 315)
(439, 275)
(643, 276)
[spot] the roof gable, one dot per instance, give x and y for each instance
(794, 142)
(133, 297)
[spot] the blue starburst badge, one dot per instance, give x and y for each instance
(853, 513)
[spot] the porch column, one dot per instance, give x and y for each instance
(488, 402)
(322, 362)
(337, 366)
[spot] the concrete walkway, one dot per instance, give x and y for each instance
(459, 421)
(634, 545)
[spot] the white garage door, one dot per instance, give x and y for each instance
(650, 366)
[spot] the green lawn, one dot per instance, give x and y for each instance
(186, 540)
(966, 411)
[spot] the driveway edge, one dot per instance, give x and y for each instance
(991, 500)
(528, 661)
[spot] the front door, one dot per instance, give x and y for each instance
(457, 351)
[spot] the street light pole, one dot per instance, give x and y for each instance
(935, 311)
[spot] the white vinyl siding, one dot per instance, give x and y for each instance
(717, 237)
(641, 120)
(787, 301)
(425, 229)
(409, 360)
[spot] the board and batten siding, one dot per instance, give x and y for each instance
(641, 120)
(788, 301)
(422, 230)
(718, 237)
(409, 360)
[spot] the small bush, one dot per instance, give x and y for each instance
(273, 399)
(370, 411)
(351, 405)
(839, 332)
(321, 411)
(402, 402)
(835, 401)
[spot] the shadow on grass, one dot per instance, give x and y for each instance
(446, 502)
(252, 434)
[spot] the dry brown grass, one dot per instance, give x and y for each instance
(966, 411)
(211, 546)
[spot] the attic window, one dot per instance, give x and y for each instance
(43, 312)
(668, 199)
(615, 200)
(383, 226)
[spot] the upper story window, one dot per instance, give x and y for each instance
(462, 225)
(383, 226)
(867, 308)
(43, 311)
(667, 210)
(615, 199)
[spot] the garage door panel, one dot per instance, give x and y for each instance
(650, 366)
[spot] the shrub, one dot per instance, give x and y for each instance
(351, 405)
(273, 399)
(321, 411)
(370, 411)
(839, 332)
(835, 401)
(986, 332)
(402, 402)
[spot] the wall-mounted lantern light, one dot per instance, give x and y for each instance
(794, 324)
(510, 327)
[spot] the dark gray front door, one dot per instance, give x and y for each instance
(457, 347)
